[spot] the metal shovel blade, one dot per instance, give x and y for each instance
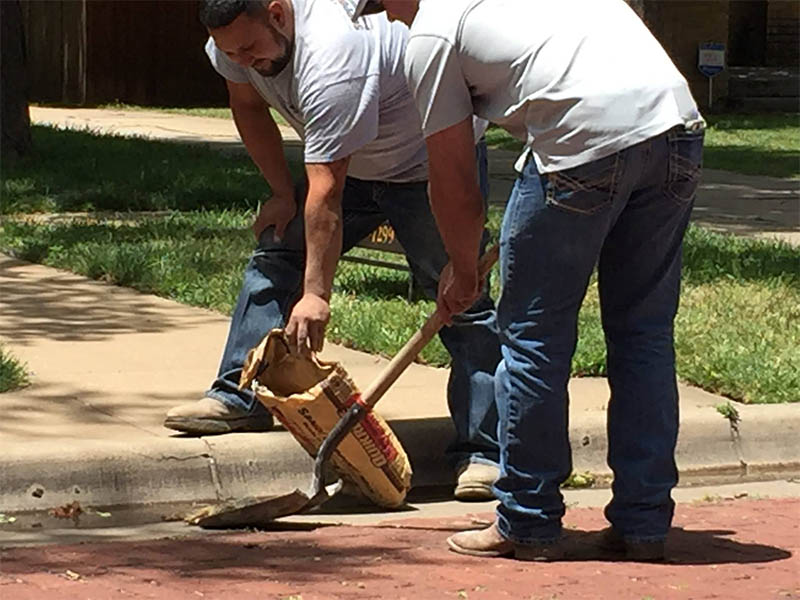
(260, 512)
(250, 512)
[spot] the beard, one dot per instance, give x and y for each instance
(270, 68)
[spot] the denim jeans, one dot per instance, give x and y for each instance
(273, 281)
(627, 214)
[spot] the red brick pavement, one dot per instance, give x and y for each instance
(727, 550)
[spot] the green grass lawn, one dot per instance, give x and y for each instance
(761, 144)
(765, 144)
(78, 171)
(13, 374)
(736, 332)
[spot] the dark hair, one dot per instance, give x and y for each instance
(220, 13)
(372, 7)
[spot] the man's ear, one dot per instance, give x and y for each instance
(276, 14)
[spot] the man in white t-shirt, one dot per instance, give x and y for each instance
(613, 150)
(342, 87)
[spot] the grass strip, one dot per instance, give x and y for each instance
(13, 374)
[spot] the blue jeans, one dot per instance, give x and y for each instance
(627, 214)
(273, 281)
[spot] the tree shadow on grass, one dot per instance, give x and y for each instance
(79, 170)
(378, 283)
(752, 160)
(708, 256)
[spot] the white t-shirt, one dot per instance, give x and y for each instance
(344, 92)
(575, 79)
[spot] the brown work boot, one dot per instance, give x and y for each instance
(634, 550)
(210, 416)
(489, 542)
(475, 482)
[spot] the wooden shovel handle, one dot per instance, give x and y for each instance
(418, 341)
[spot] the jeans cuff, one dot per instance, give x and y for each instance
(476, 459)
(234, 401)
(545, 540)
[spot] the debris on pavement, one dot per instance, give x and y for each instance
(72, 511)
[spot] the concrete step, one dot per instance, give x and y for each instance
(769, 89)
(765, 104)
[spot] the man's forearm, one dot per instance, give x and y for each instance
(455, 195)
(460, 217)
(323, 244)
(323, 223)
(264, 143)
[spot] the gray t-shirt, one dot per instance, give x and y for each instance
(575, 79)
(344, 92)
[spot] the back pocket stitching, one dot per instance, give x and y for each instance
(598, 185)
(681, 168)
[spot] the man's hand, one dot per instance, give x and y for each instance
(306, 326)
(458, 290)
(323, 223)
(278, 211)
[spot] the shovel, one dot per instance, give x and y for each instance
(256, 512)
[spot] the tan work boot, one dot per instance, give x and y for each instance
(210, 416)
(490, 542)
(475, 482)
(481, 542)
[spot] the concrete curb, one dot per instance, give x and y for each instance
(186, 470)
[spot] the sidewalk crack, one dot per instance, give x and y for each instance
(181, 458)
(212, 466)
(736, 438)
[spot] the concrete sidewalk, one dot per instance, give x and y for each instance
(730, 202)
(108, 362)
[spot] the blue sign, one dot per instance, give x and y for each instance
(711, 58)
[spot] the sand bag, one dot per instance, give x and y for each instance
(308, 396)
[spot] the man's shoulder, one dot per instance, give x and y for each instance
(322, 24)
(325, 56)
(440, 19)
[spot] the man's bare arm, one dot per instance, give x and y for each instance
(323, 218)
(458, 207)
(264, 143)
(323, 225)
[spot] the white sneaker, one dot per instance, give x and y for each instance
(475, 482)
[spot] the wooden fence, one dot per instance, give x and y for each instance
(151, 51)
(136, 51)
(783, 33)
